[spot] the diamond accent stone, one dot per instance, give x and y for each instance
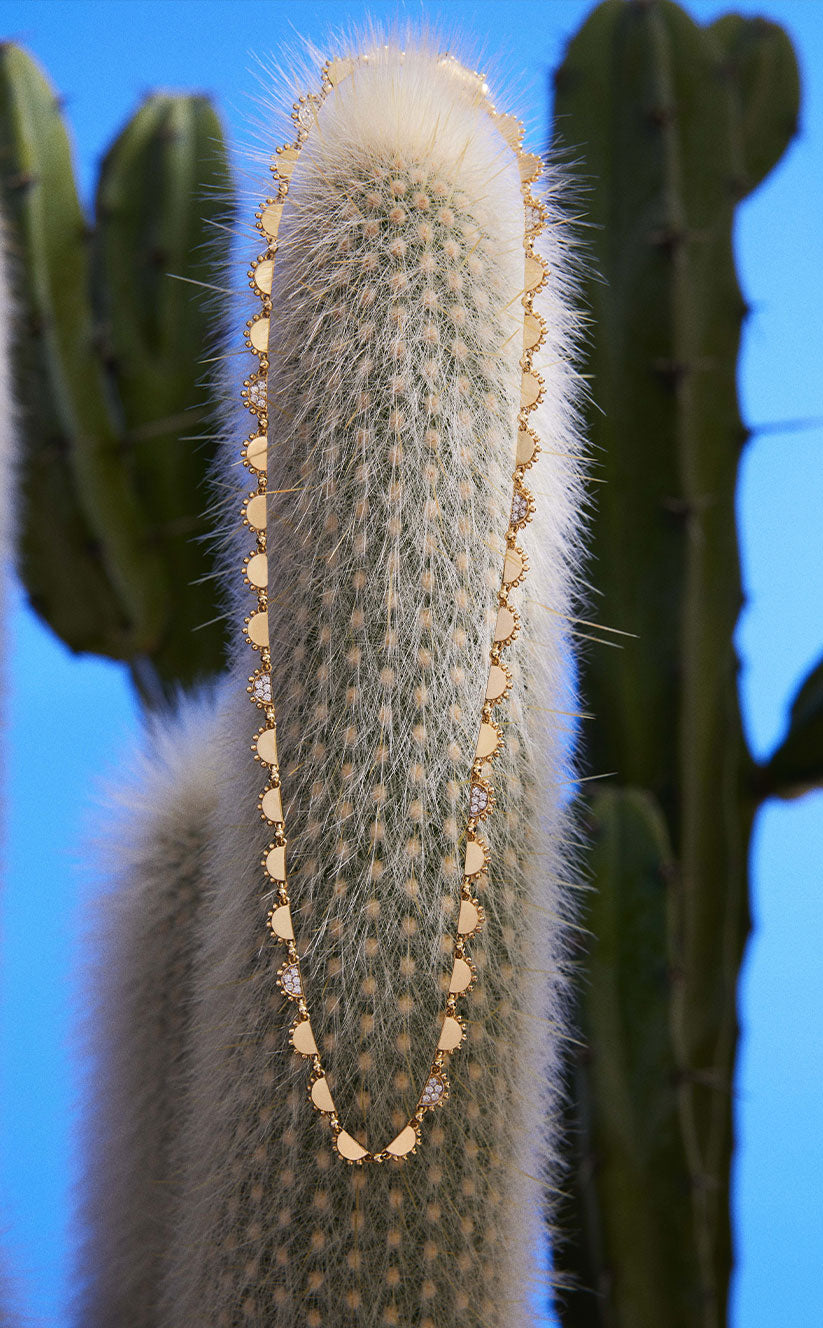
(433, 1092)
(521, 510)
(256, 394)
(290, 981)
(535, 218)
(304, 113)
(478, 800)
(261, 688)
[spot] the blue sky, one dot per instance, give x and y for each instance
(72, 720)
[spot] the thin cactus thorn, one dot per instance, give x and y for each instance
(378, 991)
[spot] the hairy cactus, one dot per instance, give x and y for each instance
(109, 360)
(397, 410)
(673, 123)
(143, 948)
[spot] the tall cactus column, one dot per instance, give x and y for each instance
(141, 979)
(373, 1066)
(674, 124)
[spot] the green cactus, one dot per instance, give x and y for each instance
(673, 124)
(109, 367)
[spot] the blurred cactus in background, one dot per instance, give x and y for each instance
(672, 124)
(111, 376)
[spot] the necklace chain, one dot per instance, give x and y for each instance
(481, 799)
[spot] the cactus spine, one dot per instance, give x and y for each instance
(107, 369)
(675, 123)
(393, 401)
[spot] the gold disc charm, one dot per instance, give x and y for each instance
(404, 1143)
(349, 1148)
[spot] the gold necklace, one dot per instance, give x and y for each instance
(481, 799)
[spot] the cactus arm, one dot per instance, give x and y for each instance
(796, 766)
(162, 185)
(140, 982)
(60, 558)
(757, 58)
(51, 233)
(636, 1150)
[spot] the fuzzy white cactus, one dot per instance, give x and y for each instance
(393, 400)
(141, 977)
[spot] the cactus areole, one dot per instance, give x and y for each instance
(412, 210)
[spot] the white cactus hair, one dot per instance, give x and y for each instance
(393, 401)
